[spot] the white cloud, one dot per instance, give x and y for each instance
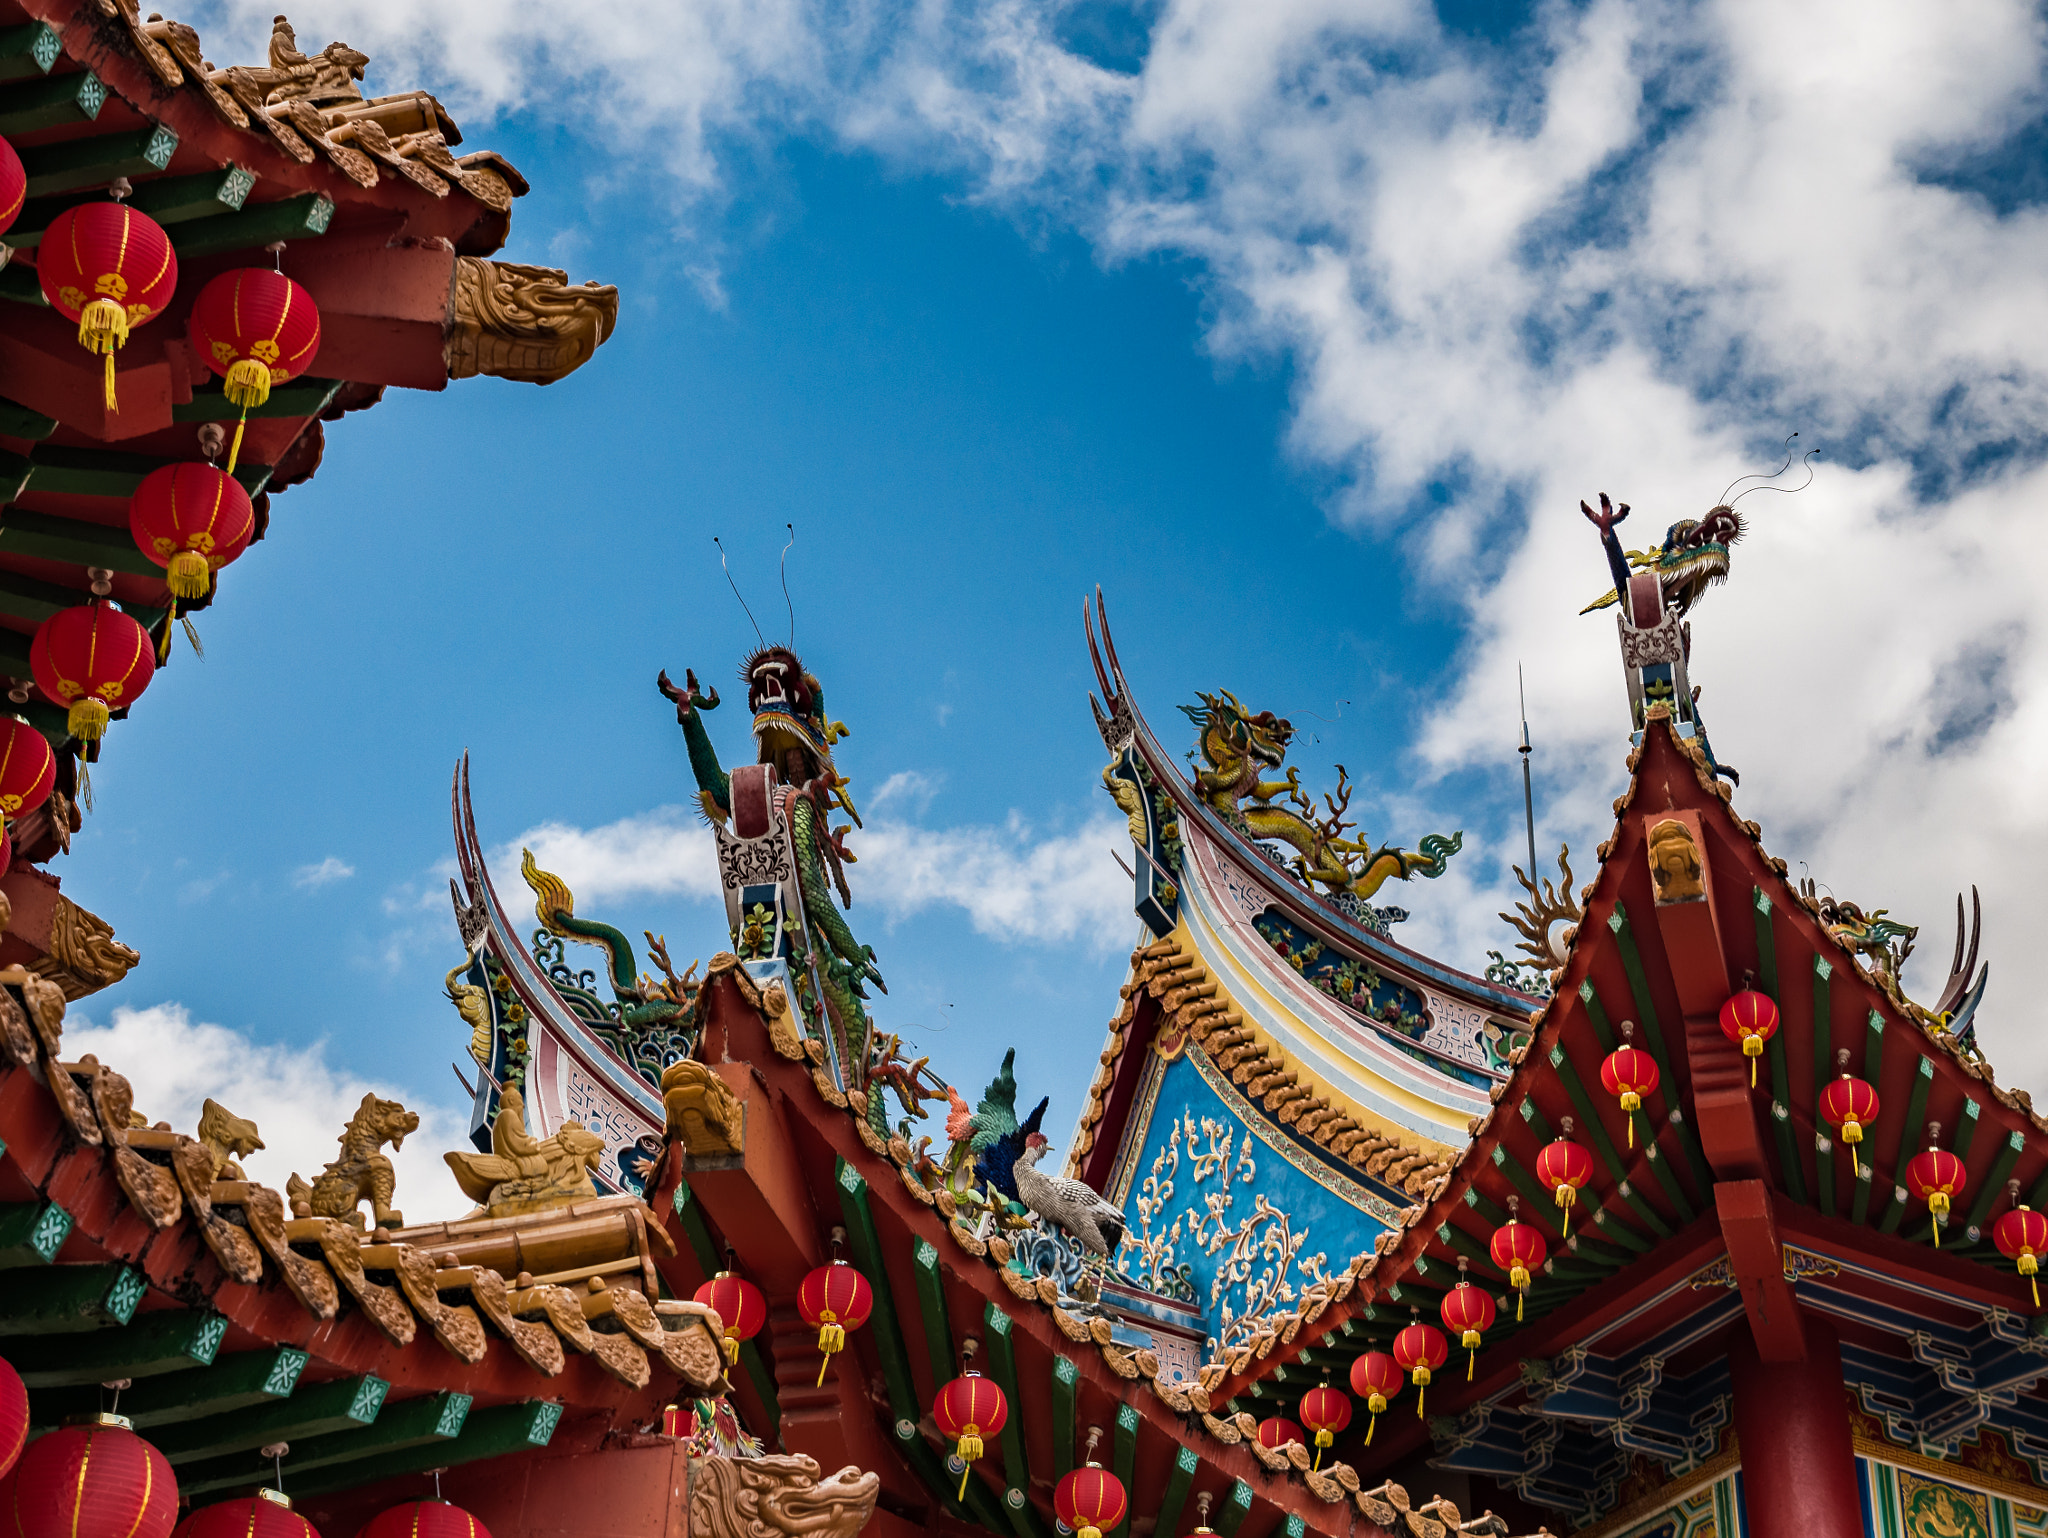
(1011, 882)
(326, 872)
(667, 852)
(299, 1101)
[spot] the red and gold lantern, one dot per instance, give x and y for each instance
(2021, 1236)
(1469, 1311)
(1630, 1075)
(1750, 1019)
(257, 328)
(971, 1410)
(28, 769)
(1419, 1351)
(108, 269)
(834, 1299)
(93, 660)
(424, 1519)
(1935, 1177)
(192, 520)
(13, 1414)
(13, 186)
(1561, 1168)
(1090, 1500)
(1325, 1411)
(740, 1307)
(1277, 1431)
(1849, 1105)
(266, 1514)
(95, 1478)
(1518, 1249)
(1375, 1378)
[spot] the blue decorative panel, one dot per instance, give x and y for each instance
(1226, 1209)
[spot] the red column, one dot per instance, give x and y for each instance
(1792, 1419)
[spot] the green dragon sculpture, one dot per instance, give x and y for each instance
(644, 1003)
(794, 739)
(1237, 746)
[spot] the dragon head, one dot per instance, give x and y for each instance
(1692, 558)
(790, 724)
(1226, 725)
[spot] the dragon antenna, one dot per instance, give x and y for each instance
(1528, 792)
(1807, 460)
(785, 585)
(727, 569)
(1771, 477)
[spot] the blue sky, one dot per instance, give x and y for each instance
(1301, 329)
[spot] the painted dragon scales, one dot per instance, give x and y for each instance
(1237, 746)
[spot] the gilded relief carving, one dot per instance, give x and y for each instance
(514, 321)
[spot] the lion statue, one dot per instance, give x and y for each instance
(778, 1497)
(362, 1173)
(227, 1138)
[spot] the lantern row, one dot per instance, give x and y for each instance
(108, 268)
(95, 1477)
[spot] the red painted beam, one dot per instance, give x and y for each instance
(1758, 1259)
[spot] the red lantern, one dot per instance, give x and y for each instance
(28, 769)
(1934, 1177)
(1561, 1168)
(13, 186)
(1750, 1019)
(93, 659)
(1325, 1411)
(91, 1479)
(971, 1410)
(191, 519)
(1849, 1105)
(1090, 1500)
(1469, 1311)
(266, 1514)
(740, 1308)
(109, 269)
(1418, 1351)
(834, 1299)
(1278, 1431)
(13, 1404)
(2021, 1236)
(257, 328)
(1519, 1250)
(1629, 1074)
(424, 1519)
(1375, 1378)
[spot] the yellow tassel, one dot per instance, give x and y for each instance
(188, 576)
(1323, 1440)
(1471, 1362)
(1520, 1294)
(248, 384)
(235, 448)
(969, 1449)
(103, 328)
(87, 719)
(1374, 1421)
(732, 1349)
(1421, 1394)
(831, 1338)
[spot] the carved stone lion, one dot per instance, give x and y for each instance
(362, 1173)
(777, 1497)
(702, 1111)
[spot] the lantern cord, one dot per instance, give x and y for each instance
(785, 585)
(727, 569)
(235, 450)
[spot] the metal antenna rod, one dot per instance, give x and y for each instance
(1528, 793)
